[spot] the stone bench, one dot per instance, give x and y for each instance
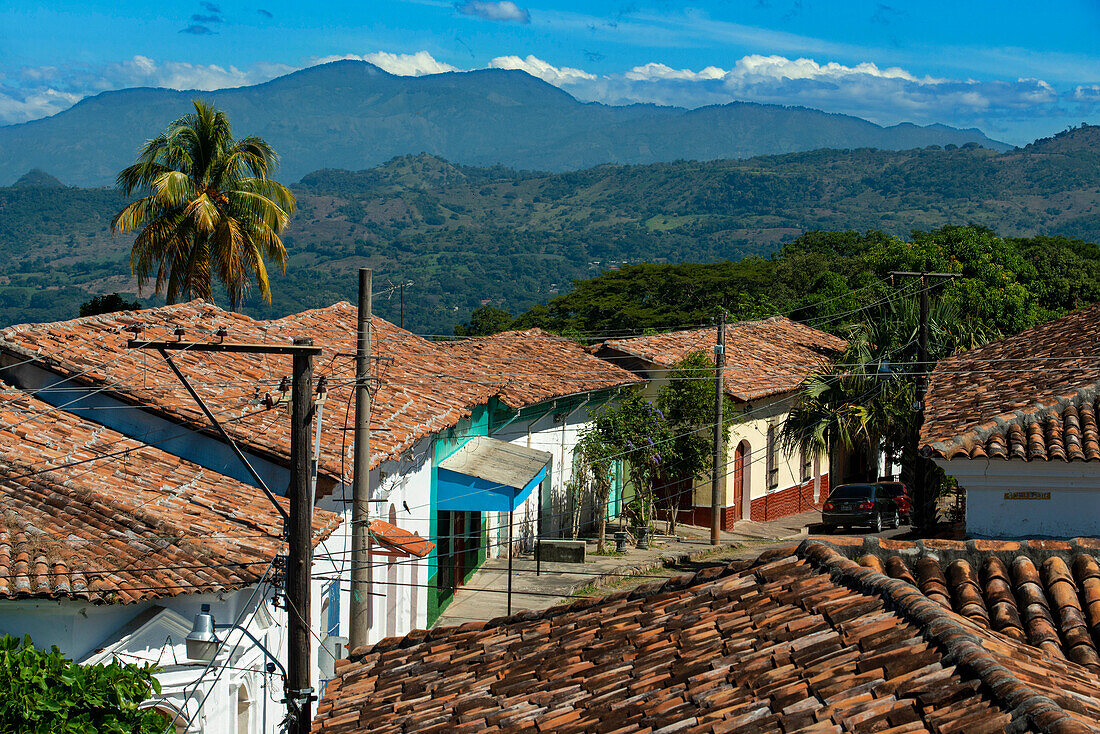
(561, 551)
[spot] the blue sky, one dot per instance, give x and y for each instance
(1014, 69)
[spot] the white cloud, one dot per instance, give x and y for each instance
(17, 105)
(1088, 92)
(505, 10)
(417, 64)
(655, 72)
(543, 70)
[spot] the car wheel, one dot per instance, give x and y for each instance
(895, 520)
(876, 524)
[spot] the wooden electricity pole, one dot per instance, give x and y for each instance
(717, 462)
(360, 606)
(925, 505)
(298, 524)
(300, 561)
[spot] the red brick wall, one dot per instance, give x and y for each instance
(789, 501)
(700, 516)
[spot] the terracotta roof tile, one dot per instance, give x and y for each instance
(140, 524)
(1032, 396)
(399, 540)
(763, 358)
(422, 387)
(529, 366)
(805, 642)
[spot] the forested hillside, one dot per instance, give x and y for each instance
(467, 236)
(829, 279)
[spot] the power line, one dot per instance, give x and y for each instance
(217, 651)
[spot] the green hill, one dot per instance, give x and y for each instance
(466, 235)
(36, 178)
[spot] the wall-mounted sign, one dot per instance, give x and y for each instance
(1031, 495)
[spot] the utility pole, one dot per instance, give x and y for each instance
(360, 606)
(298, 523)
(402, 324)
(300, 562)
(719, 433)
(924, 504)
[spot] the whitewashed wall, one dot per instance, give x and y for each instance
(1044, 498)
(399, 587)
(243, 693)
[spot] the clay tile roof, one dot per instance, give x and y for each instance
(804, 640)
(763, 358)
(422, 387)
(534, 366)
(399, 541)
(1046, 593)
(130, 523)
(1033, 396)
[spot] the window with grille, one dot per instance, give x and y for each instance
(772, 460)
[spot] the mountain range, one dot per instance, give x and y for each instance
(352, 115)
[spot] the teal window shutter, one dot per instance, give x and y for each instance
(334, 608)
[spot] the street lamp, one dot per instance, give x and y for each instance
(203, 642)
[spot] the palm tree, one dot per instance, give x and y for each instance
(865, 398)
(209, 211)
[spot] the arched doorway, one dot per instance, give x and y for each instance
(740, 462)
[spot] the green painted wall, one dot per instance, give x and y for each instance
(483, 421)
(445, 444)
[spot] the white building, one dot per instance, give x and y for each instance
(1015, 422)
(109, 547)
(766, 361)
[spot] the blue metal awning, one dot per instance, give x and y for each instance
(489, 475)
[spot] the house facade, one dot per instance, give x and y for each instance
(109, 547)
(766, 361)
(1015, 423)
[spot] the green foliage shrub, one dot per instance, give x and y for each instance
(42, 692)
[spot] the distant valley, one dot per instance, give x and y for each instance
(467, 235)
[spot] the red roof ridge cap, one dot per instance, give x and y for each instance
(1034, 413)
(337, 306)
(960, 646)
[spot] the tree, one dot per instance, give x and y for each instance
(687, 402)
(107, 304)
(45, 693)
(596, 451)
(485, 321)
(636, 430)
(865, 397)
(209, 213)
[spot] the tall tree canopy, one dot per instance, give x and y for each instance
(209, 211)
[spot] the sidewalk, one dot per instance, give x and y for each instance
(484, 597)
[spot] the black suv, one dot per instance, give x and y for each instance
(860, 504)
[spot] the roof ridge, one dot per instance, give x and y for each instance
(961, 647)
(102, 317)
(968, 355)
(1033, 413)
